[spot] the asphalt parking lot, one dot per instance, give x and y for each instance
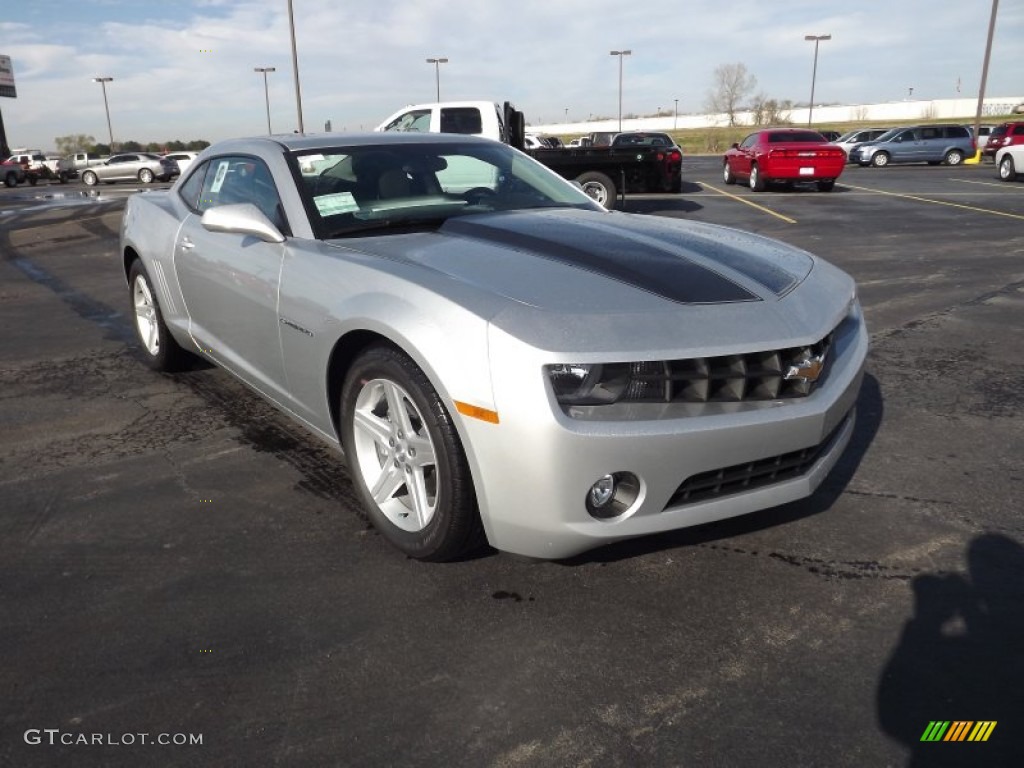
(177, 559)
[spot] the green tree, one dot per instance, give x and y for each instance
(76, 142)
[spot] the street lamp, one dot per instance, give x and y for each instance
(103, 83)
(675, 115)
(566, 114)
(814, 74)
(266, 93)
(437, 73)
(295, 67)
(620, 54)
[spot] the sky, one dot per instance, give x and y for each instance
(184, 69)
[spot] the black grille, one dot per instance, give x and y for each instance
(727, 378)
(755, 474)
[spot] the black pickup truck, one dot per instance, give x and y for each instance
(632, 162)
(606, 173)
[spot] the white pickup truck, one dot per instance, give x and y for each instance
(603, 172)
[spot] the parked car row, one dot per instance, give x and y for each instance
(31, 165)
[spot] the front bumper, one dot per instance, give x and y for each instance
(535, 468)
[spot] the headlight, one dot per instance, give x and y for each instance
(604, 383)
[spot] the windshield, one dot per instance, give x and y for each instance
(889, 134)
(371, 187)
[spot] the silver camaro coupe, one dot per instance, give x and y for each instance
(498, 357)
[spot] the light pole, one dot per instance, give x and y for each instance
(103, 83)
(814, 73)
(437, 73)
(675, 116)
(620, 54)
(566, 114)
(295, 67)
(266, 93)
(984, 66)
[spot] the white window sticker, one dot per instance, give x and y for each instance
(218, 180)
(339, 202)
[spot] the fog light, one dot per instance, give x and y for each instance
(601, 492)
(613, 496)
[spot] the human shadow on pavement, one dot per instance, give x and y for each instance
(960, 660)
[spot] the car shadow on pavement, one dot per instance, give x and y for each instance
(869, 417)
(667, 205)
(957, 673)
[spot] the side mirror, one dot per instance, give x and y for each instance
(735, 145)
(241, 219)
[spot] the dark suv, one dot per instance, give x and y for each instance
(1004, 135)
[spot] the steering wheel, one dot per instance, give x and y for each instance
(479, 195)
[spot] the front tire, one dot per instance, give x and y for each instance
(406, 459)
(954, 157)
(727, 175)
(600, 187)
(880, 159)
(89, 179)
(757, 181)
(11, 180)
(1007, 171)
(160, 351)
(146, 176)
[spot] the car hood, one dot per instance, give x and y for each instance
(557, 259)
(619, 278)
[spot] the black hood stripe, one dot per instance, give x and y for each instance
(762, 271)
(632, 261)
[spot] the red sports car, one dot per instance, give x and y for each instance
(784, 154)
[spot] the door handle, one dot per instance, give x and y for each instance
(187, 244)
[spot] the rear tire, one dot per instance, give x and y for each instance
(406, 459)
(954, 157)
(160, 351)
(89, 179)
(727, 175)
(826, 186)
(146, 176)
(757, 181)
(1007, 171)
(599, 187)
(33, 180)
(11, 180)
(880, 159)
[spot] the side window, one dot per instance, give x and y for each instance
(931, 133)
(748, 142)
(189, 189)
(1018, 130)
(239, 179)
(417, 120)
(465, 120)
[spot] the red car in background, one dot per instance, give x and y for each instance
(784, 154)
(1005, 135)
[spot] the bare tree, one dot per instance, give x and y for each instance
(770, 111)
(731, 84)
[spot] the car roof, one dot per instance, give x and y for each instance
(300, 142)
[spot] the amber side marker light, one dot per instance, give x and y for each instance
(477, 412)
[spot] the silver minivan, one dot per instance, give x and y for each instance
(850, 139)
(932, 144)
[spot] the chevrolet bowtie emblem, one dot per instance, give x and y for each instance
(807, 370)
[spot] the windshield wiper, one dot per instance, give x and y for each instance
(400, 225)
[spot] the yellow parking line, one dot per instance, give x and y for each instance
(1000, 184)
(747, 202)
(938, 202)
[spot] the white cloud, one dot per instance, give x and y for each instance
(185, 69)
